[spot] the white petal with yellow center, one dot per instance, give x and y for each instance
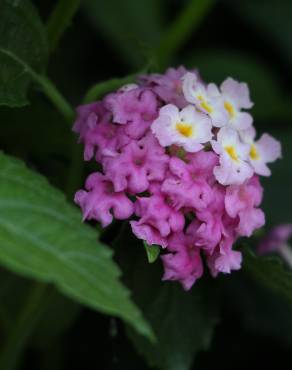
(187, 128)
(233, 168)
(207, 99)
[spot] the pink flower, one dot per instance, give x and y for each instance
(168, 86)
(139, 163)
(99, 202)
(157, 219)
(208, 227)
(135, 108)
(224, 259)
(184, 263)
(241, 201)
(276, 239)
(185, 188)
(96, 132)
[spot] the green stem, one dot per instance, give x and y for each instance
(100, 89)
(56, 98)
(24, 324)
(48, 87)
(189, 20)
(60, 19)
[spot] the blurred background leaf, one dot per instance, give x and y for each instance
(132, 28)
(22, 45)
(183, 322)
(271, 18)
(266, 91)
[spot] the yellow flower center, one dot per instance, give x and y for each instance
(184, 129)
(232, 152)
(207, 107)
(253, 153)
(230, 109)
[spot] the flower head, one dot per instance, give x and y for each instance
(178, 159)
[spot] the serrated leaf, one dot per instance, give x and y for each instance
(270, 272)
(41, 237)
(152, 252)
(22, 46)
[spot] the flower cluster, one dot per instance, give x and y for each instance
(180, 159)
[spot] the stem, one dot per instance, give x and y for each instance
(24, 324)
(60, 19)
(48, 87)
(102, 88)
(189, 20)
(56, 98)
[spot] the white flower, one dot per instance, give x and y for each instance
(206, 98)
(236, 96)
(187, 128)
(263, 151)
(233, 168)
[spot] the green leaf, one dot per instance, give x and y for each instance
(42, 237)
(271, 17)
(22, 38)
(57, 317)
(261, 311)
(269, 271)
(183, 322)
(186, 23)
(130, 25)
(152, 251)
(60, 19)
